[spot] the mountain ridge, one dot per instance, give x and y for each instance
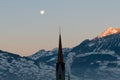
(94, 59)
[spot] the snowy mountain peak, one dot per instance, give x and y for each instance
(109, 31)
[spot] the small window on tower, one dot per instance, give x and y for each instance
(60, 77)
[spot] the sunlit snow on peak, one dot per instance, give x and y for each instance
(109, 31)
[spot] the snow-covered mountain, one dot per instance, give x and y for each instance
(14, 67)
(96, 59)
(109, 31)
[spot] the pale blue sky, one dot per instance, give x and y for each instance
(23, 30)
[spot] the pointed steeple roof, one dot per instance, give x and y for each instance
(60, 55)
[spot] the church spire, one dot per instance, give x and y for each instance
(60, 65)
(60, 55)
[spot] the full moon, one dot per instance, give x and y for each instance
(42, 12)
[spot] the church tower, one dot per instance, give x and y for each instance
(60, 65)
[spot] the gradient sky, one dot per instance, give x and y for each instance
(24, 31)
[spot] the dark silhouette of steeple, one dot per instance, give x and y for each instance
(60, 65)
(60, 55)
